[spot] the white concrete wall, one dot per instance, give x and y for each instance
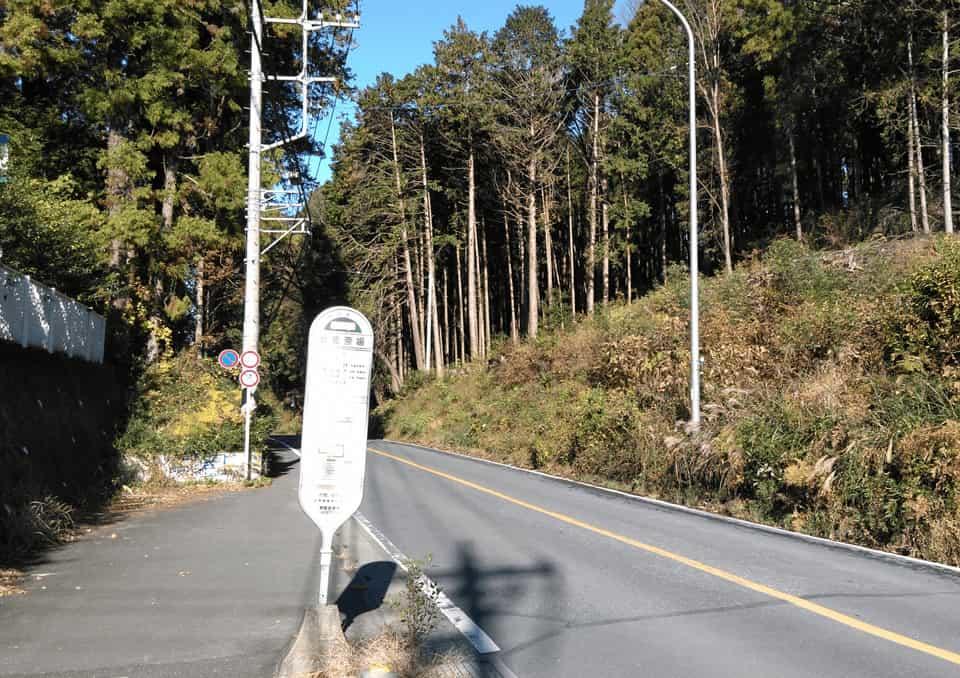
(32, 314)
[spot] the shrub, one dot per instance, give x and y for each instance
(902, 403)
(714, 467)
(28, 526)
(674, 295)
(651, 367)
(799, 274)
(414, 381)
(923, 330)
(606, 437)
(412, 424)
(774, 435)
(189, 408)
(815, 332)
(740, 294)
(521, 364)
(868, 502)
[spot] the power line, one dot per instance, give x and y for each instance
(286, 132)
(316, 122)
(336, 100)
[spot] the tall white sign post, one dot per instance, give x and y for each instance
(333, 447)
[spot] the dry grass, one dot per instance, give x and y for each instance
(391, 651)
(138, 498)
(9, 582)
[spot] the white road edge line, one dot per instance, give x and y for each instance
(823, 541)
(292, 449)
(481, 642)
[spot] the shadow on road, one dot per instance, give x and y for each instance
(366, 590)
(279, 457)
(486, 592)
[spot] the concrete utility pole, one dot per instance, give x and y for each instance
(273, 202)
(251, 293)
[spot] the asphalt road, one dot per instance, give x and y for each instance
(573, 581)
(212, 588)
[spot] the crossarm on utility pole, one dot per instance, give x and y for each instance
(255, 194)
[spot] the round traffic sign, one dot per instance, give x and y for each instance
(250, 359)
(228, 358)
(249, 378)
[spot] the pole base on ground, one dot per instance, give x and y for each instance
(318, 641)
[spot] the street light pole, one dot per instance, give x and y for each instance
(694, 246)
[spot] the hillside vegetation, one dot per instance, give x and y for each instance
(831, 390)
(188, 408)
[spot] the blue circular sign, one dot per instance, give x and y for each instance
(228, 359)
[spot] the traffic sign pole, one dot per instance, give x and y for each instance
(333, 447)
(247, 409)
(249, 378)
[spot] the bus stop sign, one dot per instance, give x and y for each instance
(333, 446)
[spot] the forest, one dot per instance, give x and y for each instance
(127, 123)
(523, 179)
(536, 174)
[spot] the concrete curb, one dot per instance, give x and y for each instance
(319, 635)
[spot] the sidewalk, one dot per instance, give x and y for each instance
(216, 587)
(212, 588)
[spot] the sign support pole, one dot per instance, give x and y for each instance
(246, 435)
(326, 556)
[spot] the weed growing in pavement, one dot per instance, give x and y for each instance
(418, 606)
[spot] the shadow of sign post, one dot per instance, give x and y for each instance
(366, 591)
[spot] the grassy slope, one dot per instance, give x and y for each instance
(831, 396)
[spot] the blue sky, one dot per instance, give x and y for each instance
(396, 36)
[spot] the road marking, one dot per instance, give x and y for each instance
(292, 449)
(797, 601)
(896, 558)
(481, 642)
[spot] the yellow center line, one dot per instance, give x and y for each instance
(802, 603)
